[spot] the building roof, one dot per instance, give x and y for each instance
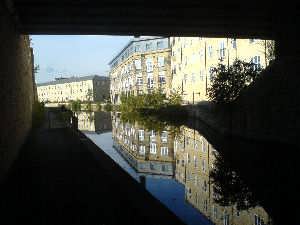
(135, 39)
(73, 79)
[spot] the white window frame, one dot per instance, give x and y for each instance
(160, 61)
(142, 149)
(141, 135)
(153, 148)
(164, 151)
(138, 64)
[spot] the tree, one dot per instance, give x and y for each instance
(175, 98)
(228, 82)
(229, 189)
(89, 95)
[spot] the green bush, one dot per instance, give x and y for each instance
(75, 105)
(228, 82)
(99, 106)
(88, 106)
(131, 103)
(108, 107)
(175, 98)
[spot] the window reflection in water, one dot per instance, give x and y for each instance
(184, 155)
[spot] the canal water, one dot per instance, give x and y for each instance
(177, 165)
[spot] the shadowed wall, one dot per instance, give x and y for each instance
(16, 90)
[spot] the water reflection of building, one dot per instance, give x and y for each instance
(99, 122)
(148, 151)
(195, 158)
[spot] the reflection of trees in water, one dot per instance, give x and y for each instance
(150, 123)
(229, 188)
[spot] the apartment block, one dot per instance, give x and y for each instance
(193, 58)
(141, 67)
(88, 88)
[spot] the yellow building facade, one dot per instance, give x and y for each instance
(193, 58)
(142, 66)
(195, 158)
(148, 151)
(87, 88)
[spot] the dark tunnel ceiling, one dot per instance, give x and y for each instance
(171, 17)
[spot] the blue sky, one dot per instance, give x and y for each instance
(68, 55)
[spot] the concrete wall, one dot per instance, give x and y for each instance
(16, 90)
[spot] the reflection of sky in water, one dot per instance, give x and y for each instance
(168, 191)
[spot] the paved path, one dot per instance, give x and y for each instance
(62, 178)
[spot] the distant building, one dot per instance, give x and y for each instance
(142, 66)
(193, 58)
(89, 88)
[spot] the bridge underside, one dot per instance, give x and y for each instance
(135, 17)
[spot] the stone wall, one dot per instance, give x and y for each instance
(16, 89)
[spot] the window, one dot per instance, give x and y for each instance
(233, 41)
(222, 50)
(203, 146)
(164, 136)
(204, 187)
(258, 220)
(161, 77)
(215, 211)
(201, 53)
(205, 205)
(153, 148)
(160, 61)
(185, 78)
(193, 78)
(203, 165)
(137, 48)
(152, 166)
(149, 64)
(152, 136)
(211, 72)
(164, 150)
(210, 51)
(188, 158)
(150, 81)
(142, 149)
(137, 64)
(226, 219)
(195, 161)
(159, 45)
(141, 135)
(256, 61)
(201, 75)
(139, 81)
(148, 46)
(174, 70)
